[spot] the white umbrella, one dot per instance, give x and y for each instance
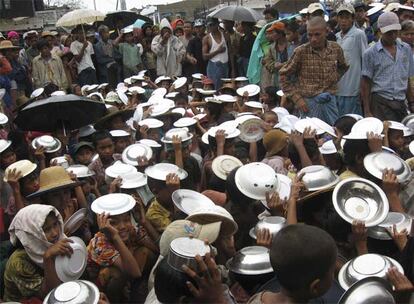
(80, 16)
(236, 13)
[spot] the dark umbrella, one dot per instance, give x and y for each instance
(127, 17)
(70, 112)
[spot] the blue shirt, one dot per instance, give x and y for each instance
(353, 43)
(389, 76)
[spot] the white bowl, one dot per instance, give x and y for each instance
(188, 200)
(222, 165)
(161, 170)
(71, 268)
(132, 152)
(114, 204)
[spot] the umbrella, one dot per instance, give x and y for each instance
(69, 111)
(236, 13)
(80, 16)
(127, 17)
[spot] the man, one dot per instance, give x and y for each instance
(195, 49)
(354, 43)
(48, 68)
(83, 51)
(169, 50)
(405, 12)
(360, 15)
(185, 40)
(29, 52)
(316, 10)
(310, 76)
(215, 50)
(387, 67)
(233, 40)
(245, 47)
(104, 54)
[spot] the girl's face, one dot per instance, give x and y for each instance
(52, 228)
(265, 98)
(30, 184)
(123, 224)
(148, 32)
(105, 149)
(7, 158)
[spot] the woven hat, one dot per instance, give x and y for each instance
(274, 141)
(185, 228)
(53, 179)
(8, 45)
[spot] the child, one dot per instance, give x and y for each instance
(303, 258)
(131, 53)
(270, 98)
(105, 148)
(7, 155)
(122, 139)
(270, 120)
(161, 211)
(116, 257)
(276, 145)
(37, 234)
(83, 153)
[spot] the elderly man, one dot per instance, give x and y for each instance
(387, 67)
(311, 75)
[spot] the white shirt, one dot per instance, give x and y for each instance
(86, 61)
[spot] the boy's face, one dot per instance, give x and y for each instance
(121, 143)
(45, 51)
(7, 158)
(129, 37)
(396, 140)
(105, 149)
(345, 21)
(58, 199)
(84, 156)
(30, 184)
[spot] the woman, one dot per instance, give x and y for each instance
(37, 234)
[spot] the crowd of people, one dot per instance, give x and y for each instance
(202, 183)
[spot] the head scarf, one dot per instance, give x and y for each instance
(27, 228)
(12, 34)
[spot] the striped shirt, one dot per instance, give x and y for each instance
(389, 76)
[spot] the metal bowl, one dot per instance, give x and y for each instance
(74, 292)
(273, 223)
(318, 177)
(254, 260)
(367, 265)
(400, 220)
(360, 199)
(183, 252)
(376, 163)
(369, 290)
(60, 161)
